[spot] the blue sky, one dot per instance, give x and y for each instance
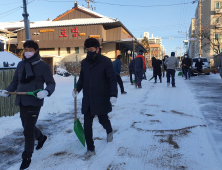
(155, 18)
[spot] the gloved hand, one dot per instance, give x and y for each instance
(113, 100)
(42, 94)
(2, 93)
(73, 94)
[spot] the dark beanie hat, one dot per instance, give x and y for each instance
(172, 53)
(141, 52)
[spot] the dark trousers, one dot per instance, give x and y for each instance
(144, 74)
(156, 77)
(120, 82)
(187, 70)
(131, 72)
(139, 77)
(29, 116)
(171, 72)
(88, 122)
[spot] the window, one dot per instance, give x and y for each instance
(216, 20)
(85, 51)
(77, 50)
(68, 50)
(47, 49)
(217, 5)
(216, 36)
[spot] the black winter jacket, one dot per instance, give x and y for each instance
(186, 61)
(43, 75)
(98, 82)
(156, 66)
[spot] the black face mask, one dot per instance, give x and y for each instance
(91, 54)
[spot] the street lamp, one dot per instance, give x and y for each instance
(129, 52)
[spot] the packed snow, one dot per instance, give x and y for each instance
(10, 58)
(156, 127)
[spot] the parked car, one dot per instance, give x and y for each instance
(205, 66)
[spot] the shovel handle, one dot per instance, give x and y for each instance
(75, 106)
(17, 93)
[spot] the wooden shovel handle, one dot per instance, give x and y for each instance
(75, 102)
(17, 93)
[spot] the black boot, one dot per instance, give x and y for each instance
(25, 163)
(160, 80)
(40, 144)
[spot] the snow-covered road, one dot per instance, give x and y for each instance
(155, 128)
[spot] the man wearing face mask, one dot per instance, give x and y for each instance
(199, 65)
(30, 75)
(187, 66)
(98, 82)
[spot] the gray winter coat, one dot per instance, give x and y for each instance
(43, 75)
(172, 62)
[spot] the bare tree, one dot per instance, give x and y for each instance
(145, 44)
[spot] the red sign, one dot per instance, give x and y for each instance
(75, 31)
(63, 33)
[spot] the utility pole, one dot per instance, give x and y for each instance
(26, 21)
(200, 51)
(88, 1)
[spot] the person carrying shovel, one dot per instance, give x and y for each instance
(98, 82)
(30, 75)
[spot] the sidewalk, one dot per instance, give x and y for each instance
(155, 128)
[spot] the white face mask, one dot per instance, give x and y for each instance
(28, 54)
(185, 56)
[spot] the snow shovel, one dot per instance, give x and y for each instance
(77, 125)
(151, 78)
(25, 93)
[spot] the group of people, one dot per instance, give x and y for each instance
(97, 80)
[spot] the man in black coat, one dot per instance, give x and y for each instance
(156, 69)
(98, 82)
(199, 65)
(186, 62)
(30, 75)
(139, 68)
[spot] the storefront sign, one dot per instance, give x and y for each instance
(94, 36)
(52, 30)
(124, 32)
(63, 33)
(82, 34)
(75, 31)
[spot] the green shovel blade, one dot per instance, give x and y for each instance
(79, 131)
(180, 73)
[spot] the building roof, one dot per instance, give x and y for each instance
(78, 7)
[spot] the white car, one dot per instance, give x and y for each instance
(205, 62)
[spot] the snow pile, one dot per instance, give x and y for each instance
(9, 59)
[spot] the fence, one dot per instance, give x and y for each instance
(7, 104)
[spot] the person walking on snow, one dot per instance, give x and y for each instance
(164, 68)
(98, 82)
(117, 69)
(186, 62)
(30, 75)
(219, 67)
(139, 68)
(131, 70)
(199, 65)
(156, 69)
(171, 63)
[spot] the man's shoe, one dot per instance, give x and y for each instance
(110, 137)
(139, 87)
(25, 163)
(40, 144)
(131, 83)
(173, 86)
(89, 154)
(123, 92)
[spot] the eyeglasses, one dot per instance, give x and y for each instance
(91, 49)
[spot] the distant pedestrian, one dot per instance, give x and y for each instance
(139, 68)
(164, 67)
(31, 74)
(98, 82)
(117, 69)
(156, 69)
(199, 65)
(186, 66)
(172, 63)
(131, 70)
(220, 67)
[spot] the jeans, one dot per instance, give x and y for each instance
(88, 122)
(171, 72)
(131, 72)
(187, 70)
(139, 77)
(29, 116)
